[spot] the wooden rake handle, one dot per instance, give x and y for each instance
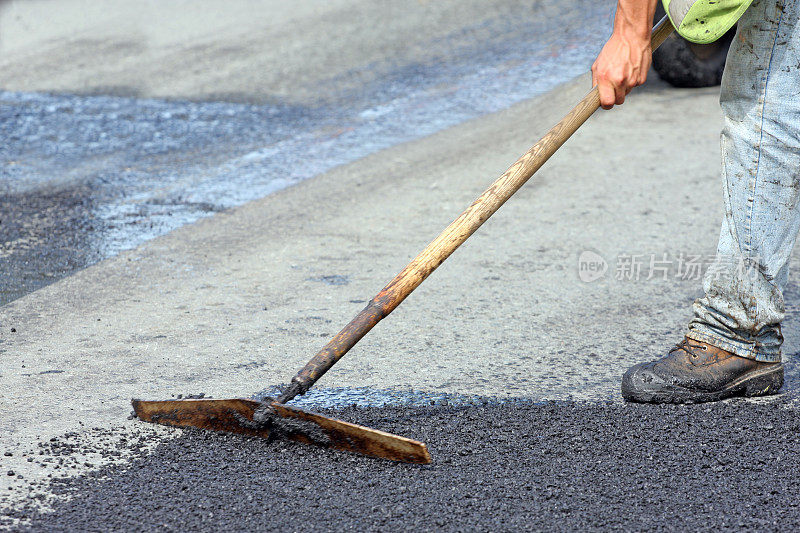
(452, 237)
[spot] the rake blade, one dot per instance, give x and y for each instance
(279, 420)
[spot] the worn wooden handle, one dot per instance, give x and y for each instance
(452, 237)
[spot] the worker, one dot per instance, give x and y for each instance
(732, 346)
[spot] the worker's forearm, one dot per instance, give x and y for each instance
(634, 18)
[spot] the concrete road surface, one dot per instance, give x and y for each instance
(149, 116)
(235, 304)
(239, 302)
(303, 52)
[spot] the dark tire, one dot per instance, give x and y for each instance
(684, 64)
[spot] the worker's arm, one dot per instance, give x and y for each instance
(625, 59)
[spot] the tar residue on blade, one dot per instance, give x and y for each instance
(284, 427)
(552, 467)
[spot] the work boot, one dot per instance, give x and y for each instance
(695, 372)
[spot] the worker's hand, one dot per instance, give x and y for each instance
(622, 65)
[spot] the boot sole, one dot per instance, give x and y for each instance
(763, 382)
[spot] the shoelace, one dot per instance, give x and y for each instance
(685, 345)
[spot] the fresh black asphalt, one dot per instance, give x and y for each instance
(556, 467)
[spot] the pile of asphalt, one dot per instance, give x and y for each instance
(558, 466)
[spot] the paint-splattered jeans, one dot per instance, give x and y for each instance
(743, 304)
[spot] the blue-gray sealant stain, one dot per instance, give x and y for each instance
(338, 397)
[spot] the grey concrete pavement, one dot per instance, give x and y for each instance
(236, 303)
(304, 52)
(240, 301)
(83, 177)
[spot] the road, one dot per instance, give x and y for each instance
(124, 122)
(235, 303)
(552, 467)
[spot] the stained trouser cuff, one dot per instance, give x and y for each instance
(742, 349)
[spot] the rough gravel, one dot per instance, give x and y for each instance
(553, 467)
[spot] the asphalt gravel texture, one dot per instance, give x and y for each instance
(553, 467)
